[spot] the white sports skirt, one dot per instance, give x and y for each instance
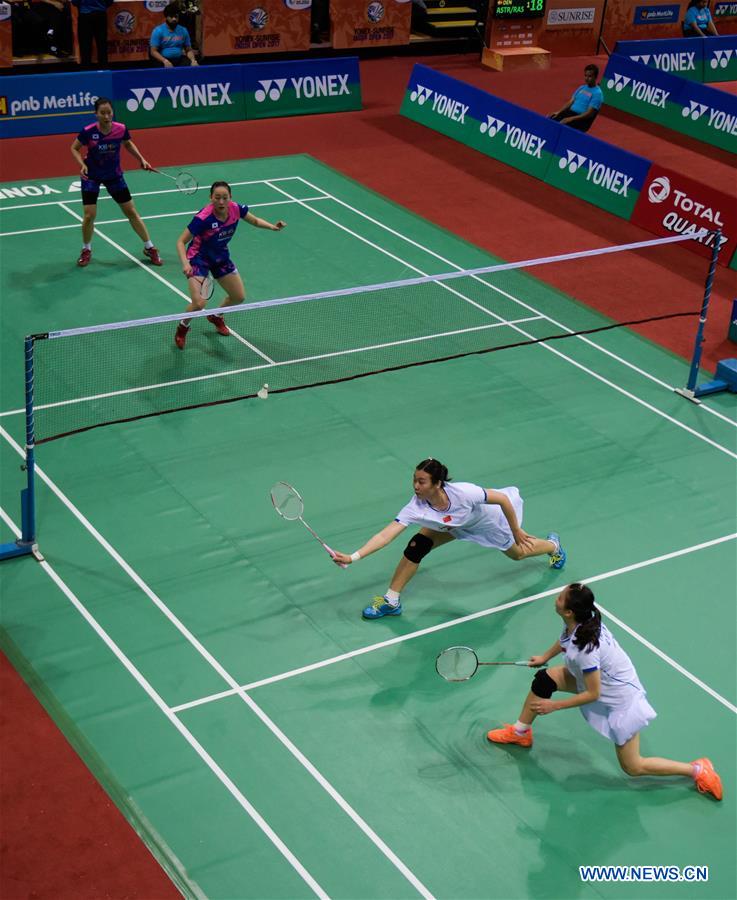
(494, 530)
(621, 723)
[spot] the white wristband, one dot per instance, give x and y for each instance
(355, 556)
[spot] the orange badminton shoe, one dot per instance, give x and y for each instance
(508, 735)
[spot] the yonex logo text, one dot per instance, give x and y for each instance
(619, 82)
(182, 96)
(694, 109)
(421, 94)
(305, 87)
(721, 59)
(572, 162)
(491, 126)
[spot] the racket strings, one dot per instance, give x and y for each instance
(457, 663)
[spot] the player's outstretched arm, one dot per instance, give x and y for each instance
(76, 148)
(262, 223)
(384, 537)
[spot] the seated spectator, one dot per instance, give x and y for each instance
(170, 43)
(698, 21)
(584, 105)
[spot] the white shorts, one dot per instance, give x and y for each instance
(621, 723)
(495, 531)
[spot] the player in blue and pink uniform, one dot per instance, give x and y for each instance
(203, 251)
(101, 165)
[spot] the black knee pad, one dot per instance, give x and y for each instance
(543, 685)
(418, 548)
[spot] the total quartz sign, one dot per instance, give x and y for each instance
(670, 204)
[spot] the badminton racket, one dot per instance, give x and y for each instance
(290, 506)
(185, 182)
(461, 663)
(207, 285)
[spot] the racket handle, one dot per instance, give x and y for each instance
(332, 553)
(522, 662)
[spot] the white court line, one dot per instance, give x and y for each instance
(286, 362)
(459, 268)
(227, 677)
(202, 187)
(229, 785)
(150, 271)
(351, 654)
(544, 346)
(170, 215)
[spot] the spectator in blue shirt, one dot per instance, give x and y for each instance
(584, 105)
(170, 44)
(92, 25)
(698, 21)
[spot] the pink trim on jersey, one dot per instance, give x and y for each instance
(234, 215)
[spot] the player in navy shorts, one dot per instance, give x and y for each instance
(101, 165)
(203, 251)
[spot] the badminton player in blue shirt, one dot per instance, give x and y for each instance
(203, 252)
(101, 165)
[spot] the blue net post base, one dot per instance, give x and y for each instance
(725, 380)
(26, 544)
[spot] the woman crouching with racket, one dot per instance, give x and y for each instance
(446, 512)
(203, 251)
(606, 689)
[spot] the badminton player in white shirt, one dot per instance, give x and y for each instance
(446, 512)
(605, 688)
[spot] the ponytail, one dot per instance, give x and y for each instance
(435, 469)
(580, 601)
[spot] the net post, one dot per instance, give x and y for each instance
(690, 390)
(26, 544)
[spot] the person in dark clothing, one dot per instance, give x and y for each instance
(92, 25)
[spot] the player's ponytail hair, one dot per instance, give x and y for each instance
(580, 601)
(435, 469)
(217, 184)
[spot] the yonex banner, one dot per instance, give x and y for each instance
(597, 172)
(680, 56)
(671, 204)
(643, 91)
(709, 114)
(515, 136)
(725, 9)
(296, 88)
(147, 98)
(50, 104)
(720, 58)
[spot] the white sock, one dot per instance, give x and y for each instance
(86, 246)
(521, 727)
(148, 244)
(695, 770)
(392, 597)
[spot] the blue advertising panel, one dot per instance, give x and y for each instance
(657, 15)
(148, 98)
(50, 104)
(298, 87)
(679, 56)
(643, 91)
(597, 172)
(720, 58)
(509, 133)
(709, 115)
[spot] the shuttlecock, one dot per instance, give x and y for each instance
(263, 394)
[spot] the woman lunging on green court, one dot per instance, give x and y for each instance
(446, 512)
(203, 253)
(605, 688)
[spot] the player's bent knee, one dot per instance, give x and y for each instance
(543, 685)
(418, 548)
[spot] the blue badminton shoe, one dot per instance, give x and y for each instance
(558, 556)
(379, 608)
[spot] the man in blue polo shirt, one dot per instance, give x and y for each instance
(170, 44)
(584, 105)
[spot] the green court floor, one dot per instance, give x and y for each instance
(211, 665)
